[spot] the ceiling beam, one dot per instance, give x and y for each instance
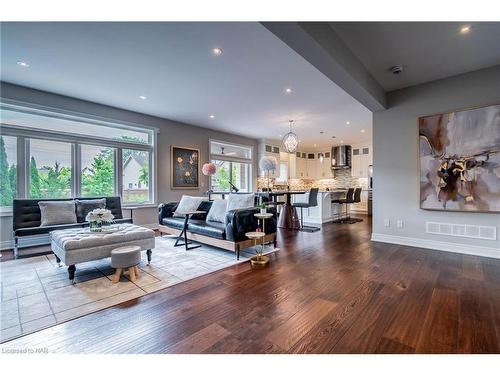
(320, 45)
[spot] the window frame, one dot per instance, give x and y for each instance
(24, 135)
(232, 159)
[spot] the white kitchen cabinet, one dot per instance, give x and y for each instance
(361, 159)
(312, 168)
(301, 168)
(269, 149)
(324, 167)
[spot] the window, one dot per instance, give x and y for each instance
(67, 155)
(42, 120)
(234, 166)
(8, 170)
(98, 171)
(136, 176)
(49, 169)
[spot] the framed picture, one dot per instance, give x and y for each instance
(185, 170)
(459, 157)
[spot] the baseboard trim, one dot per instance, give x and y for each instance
(452, 247)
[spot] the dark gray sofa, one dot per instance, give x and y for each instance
(229, 235)
(26, 217)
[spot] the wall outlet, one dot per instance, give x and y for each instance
(387, 223)
(400, 223)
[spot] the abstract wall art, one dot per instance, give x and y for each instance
(184, 168)
(460, 160)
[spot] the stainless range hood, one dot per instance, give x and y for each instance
(341, 157)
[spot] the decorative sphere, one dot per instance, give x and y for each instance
(208, 169)
(268, 163)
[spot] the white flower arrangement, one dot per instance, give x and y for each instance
(100, 215)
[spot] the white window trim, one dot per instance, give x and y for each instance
(235, 159)
(24, 134)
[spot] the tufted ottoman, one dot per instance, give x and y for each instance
(126, 257)
(74, 246)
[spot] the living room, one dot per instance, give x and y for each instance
(250, 187)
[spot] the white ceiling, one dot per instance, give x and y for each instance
(427, 50)
(172, 64)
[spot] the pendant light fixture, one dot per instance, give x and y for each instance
(290, 140)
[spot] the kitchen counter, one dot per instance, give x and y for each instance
(325, 211)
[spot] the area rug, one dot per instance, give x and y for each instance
(36, 293)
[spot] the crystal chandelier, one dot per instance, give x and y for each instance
(290, 140)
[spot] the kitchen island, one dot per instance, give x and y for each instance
(325, 211)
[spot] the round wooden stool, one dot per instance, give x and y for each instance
(123, 258)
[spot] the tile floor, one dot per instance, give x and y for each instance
(36, 293)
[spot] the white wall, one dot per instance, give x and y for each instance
(171, 133)
(396, 180)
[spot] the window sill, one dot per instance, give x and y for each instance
(131, 206)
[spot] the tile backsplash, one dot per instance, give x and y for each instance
(342, 180)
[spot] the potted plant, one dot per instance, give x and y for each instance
(262, 208)
(98, 218)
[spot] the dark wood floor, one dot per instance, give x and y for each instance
(332, 291)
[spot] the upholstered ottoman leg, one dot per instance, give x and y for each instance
(148, 253)
(58, 261)
(16, 246)
(71, 272)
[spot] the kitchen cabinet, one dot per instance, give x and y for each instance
(312, 167)
(269, 149)
(361, 159)
(325, 166)
(301, 171)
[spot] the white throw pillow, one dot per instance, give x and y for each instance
(218, 211)
(239, 201)
(189, 203)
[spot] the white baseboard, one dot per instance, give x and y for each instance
(482, 251)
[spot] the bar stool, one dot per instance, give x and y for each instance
(356, 199)
(349, 198)
(312, 202)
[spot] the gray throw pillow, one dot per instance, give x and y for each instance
(57, 212)
(217, 212)
(240, 201)
(84, 206)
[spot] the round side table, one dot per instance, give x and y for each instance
(259, 260)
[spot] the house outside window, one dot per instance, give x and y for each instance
(56, 154)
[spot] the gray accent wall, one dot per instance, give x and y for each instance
(170, 133)
(396, 179)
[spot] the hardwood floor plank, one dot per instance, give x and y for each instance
(201, 340)
(286, 335)
(440, 331)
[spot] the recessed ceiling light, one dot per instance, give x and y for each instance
(315, 145)
(217, 51)
(362, 130)
(212, 116)
(143, 97)
(465, 29)
(341, 141)
(348, 123)
(24, 64)
(288, 90)
(322, 132)
(279, 135)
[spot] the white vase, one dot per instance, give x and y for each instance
(262, 210)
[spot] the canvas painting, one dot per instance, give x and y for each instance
(184, 168)
(460, 160)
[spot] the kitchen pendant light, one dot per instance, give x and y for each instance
(290, 140)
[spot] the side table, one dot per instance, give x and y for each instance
(185, 242)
